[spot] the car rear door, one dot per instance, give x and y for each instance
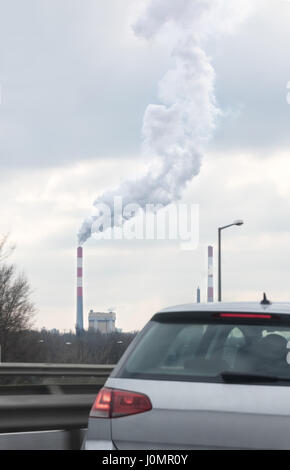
(187, 415)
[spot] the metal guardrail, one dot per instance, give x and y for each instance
(101, 370)
(55, 409)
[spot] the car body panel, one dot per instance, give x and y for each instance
(96, 444)
(254, 307)
(205, 415)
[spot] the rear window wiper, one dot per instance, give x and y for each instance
(241, 377)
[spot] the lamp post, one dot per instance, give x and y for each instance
(236, 222)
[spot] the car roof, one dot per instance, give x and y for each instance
(248, 307)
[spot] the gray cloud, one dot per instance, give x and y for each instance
(75, 81)
(253, 69)
(72, 85)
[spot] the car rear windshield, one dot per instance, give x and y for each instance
(207, 351)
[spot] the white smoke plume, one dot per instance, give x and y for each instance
(176, 130)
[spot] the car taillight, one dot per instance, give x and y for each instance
(102, 405)
(113, 403)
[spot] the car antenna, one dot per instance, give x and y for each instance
(265, 301)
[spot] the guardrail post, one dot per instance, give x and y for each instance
(74, 440)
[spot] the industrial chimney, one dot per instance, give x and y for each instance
(210, 274)
(79, 322)
(198, 295)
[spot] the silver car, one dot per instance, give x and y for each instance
(202, 376)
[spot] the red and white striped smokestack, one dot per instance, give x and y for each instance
(210, 275)
(79, 323)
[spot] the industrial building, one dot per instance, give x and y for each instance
(104, 322)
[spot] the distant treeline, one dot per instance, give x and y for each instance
(89, 347)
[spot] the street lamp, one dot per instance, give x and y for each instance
(236, 222)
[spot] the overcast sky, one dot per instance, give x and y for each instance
(75, 83)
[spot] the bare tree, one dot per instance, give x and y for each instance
(5, 248)
(16, 309)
